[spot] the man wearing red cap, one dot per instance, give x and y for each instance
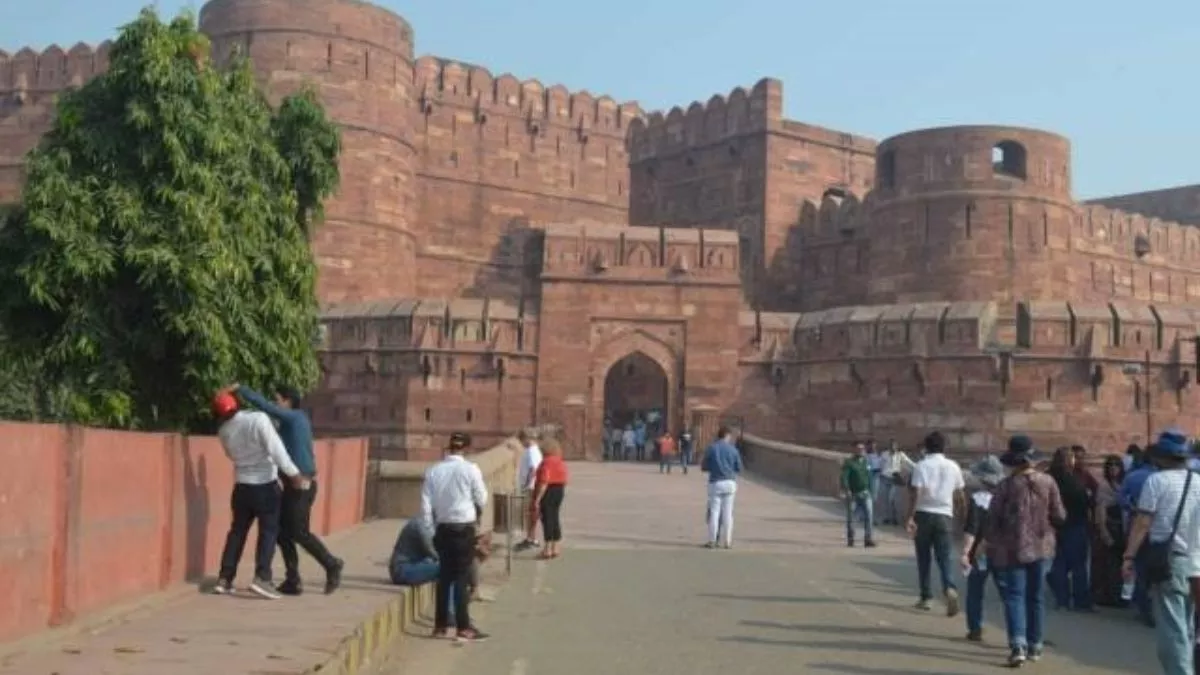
(252, 444)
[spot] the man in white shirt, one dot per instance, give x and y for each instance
(452, 501)
(894, 466)
(531, 459)
(258, 455)
(935, 490)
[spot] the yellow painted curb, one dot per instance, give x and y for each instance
(375, 634)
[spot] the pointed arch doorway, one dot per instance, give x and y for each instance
(636, 388)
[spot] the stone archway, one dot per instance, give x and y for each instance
(655, 378)
(635, 386)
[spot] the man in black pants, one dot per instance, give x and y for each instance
(452, 499)
(935, 494)
(258, 457)
(296, 510)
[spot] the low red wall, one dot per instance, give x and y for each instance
(90, 518)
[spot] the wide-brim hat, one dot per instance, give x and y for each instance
(988, 471)
(459, 440)
(1173, 443)
(1020, 451)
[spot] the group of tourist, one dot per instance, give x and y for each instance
(642, 440)
(1129, 536)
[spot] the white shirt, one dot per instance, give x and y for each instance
(531, 459)
(453, 490)
(894, 463)
(1160, 498)
(936, 479)
(251, 442)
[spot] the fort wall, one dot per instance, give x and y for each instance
(497, 154)
(29, 83)
(1065, 372)
(406, 373)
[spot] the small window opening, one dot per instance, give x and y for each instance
(1008, 159)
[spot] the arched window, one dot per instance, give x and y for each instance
(1009, 160)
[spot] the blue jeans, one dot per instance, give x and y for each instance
(1176, 615)
(1023, 588)
(932, 542)
(418, 574)
(685, 458)
(861, 504)
(1069, 576)
(414, 573)
(976, 585)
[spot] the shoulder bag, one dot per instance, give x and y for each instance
(1156, 556)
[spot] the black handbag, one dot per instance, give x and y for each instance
(1156, 557)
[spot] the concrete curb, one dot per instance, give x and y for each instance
(377, 634)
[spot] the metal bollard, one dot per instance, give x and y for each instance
(508, 527)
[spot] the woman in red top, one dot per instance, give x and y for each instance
(548, 494)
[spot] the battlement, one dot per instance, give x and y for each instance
(1106, 231)
(617, 251)
(837, 216)
(52, 69)
(1119, 330)
(422, 324)
(443, 81)
(701, 124)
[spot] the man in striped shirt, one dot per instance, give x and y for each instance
(252, 444)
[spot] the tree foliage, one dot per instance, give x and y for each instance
(161, 247)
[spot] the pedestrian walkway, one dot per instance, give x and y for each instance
(634, 593)
(197, 634)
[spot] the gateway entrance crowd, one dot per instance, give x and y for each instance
(1130, 537)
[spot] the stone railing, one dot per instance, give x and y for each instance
(394, 486)
(810, 469)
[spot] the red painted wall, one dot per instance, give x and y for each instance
(90, 518)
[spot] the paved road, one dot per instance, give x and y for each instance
(634, 593)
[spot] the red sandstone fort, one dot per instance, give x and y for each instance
(503, 251)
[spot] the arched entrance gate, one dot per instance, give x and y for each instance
(634, 375)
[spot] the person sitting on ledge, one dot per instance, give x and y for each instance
(414, 560)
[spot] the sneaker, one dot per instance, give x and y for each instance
(870, 543)
(1016, 658)
(472, 635)
(263, 589)
(291, 587)
(440, 634)
(850, 543)
(222, 587)
(727, 546)
(951, 602)
(924, 604)
(1035, 653)
(975, 636)
(711, 544)
(333, 576)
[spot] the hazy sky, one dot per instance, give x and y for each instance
(1117, 77)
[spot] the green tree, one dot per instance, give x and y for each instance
(161, 248)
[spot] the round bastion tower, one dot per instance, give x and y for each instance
(971, 213)
(359, 58)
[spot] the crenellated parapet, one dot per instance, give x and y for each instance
(444, 82)
(703, 124)
(1111, 232)
(615, 252)
(29, 73)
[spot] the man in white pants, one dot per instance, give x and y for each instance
(531, 459)
(723, 464)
